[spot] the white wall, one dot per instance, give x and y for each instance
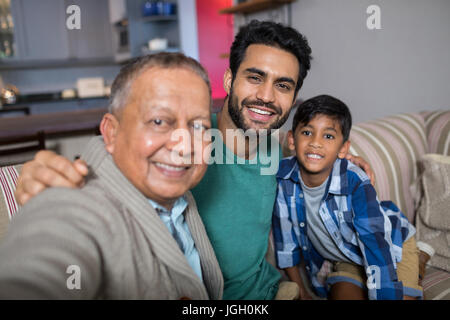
(403, 67)
(187, 17)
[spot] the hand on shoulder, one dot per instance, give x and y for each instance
(48, 169)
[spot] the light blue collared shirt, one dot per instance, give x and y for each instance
(177, 225)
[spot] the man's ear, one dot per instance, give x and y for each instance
(109, 128)
(291, 140)
(227, 79)
(344, 149)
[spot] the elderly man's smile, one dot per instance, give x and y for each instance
(171, 170)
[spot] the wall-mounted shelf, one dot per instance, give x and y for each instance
(17, 64)
(160, 18)
(146, 51)
(251, 6)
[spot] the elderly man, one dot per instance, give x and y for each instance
(133, 231)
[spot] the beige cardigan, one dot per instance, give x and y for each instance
(108, 230)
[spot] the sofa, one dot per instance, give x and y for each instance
(394, 146)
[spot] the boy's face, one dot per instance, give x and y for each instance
(142, 140)
(317, 145)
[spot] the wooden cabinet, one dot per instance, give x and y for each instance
(251, 6)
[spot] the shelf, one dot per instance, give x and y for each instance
(251, 6)
(160, 18)
(50, 97)
(15, 64)
(146, 51)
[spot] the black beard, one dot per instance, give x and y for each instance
(238, 119)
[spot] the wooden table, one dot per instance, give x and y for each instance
(52, 123)
(61, 122)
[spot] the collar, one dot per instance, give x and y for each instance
(289, 169)
(178, 208)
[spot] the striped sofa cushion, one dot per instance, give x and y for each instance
(392, 146)
(8, 204)
(436, 284)
(437, 125)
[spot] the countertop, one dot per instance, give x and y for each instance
(61, 122)
(52, 123)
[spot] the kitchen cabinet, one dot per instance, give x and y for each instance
(142, 29)
(94, 39)
(41, 33)
(40, 29)
(133, 31)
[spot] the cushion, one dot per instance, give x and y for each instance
(392, 146)
(8, 204)
(433, 218)
(437, 125)
(436, 284)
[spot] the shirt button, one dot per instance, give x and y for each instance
(301, 195)
(302, 224)
(307, 268)
(305, 248)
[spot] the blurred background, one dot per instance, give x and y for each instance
(58, 58)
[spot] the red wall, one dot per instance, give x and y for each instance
(215, 35)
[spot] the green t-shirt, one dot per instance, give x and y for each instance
(235, 202)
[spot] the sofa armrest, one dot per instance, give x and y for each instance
(8, 204)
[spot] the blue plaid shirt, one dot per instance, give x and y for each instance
(370, 233)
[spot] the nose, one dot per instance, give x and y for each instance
(315, 142)
(266, 92)
(180, 145)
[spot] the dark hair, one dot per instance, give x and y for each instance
(120, 88)
(326, 105)
(275, 35)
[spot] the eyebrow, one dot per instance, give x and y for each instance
(196, 117)
(327, 128)
(264, 74)
(201, 117)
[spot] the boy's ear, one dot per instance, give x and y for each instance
(344, 149)
(227, 79)
(291, 140)
(109, 128)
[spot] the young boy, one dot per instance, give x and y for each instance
(326, 210)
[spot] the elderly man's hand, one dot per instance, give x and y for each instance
(363, 164)
(48, 169)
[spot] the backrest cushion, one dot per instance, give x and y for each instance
(392, 146)
(8, 204)
(437, 124)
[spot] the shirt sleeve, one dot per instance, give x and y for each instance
(374, 230)
(50, 252)
(287, 249)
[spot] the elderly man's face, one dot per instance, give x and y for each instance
(143, 146)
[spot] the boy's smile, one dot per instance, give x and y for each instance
(317, 145)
